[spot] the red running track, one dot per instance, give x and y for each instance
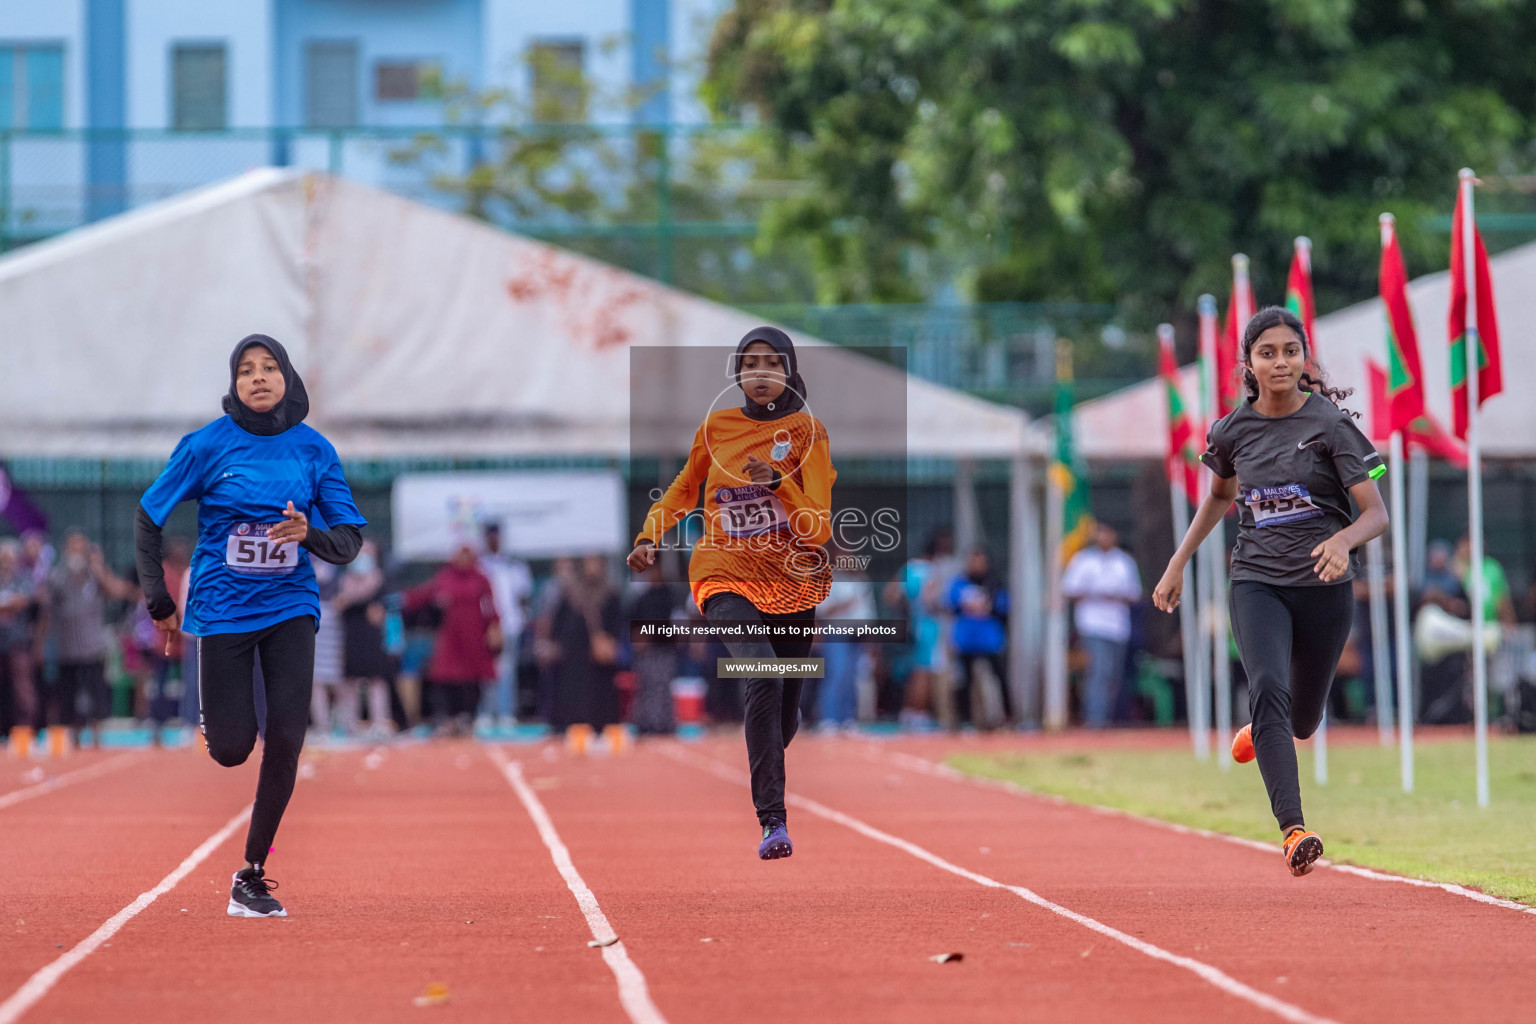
(415, 865)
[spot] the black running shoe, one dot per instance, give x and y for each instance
(775, 842)
(251, 895)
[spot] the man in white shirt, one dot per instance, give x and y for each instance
(1104, 582)
(511, 587)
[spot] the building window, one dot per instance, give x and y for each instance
(198, 87)
(403, 79)
(31, 86)
(330, 84)
(559, 81)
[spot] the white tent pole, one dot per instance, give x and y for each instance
(1418, 513)
(1022, 588)
(1187, 617)
(1472, 352)
(1320, 750)
(1381, 652)
(1405, 705)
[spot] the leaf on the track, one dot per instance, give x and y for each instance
(948, 958)
(600, 943)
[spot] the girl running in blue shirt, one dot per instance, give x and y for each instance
(265, 485)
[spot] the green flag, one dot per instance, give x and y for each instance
(1076, 520)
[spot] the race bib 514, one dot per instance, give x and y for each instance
(249, 552)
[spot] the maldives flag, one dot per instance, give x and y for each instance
(1405, 376)
(1240, 309)
(1183, 459)
(1298, 290)
(1423, 432)
(1490, 375)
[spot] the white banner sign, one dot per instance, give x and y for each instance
(541, 515)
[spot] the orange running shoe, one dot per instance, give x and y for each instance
(1301, 849)
(1242, 745)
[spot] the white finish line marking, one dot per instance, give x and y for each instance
(1213, 975)
(37, 986)
(634, 996)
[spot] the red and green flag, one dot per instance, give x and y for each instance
(1423, 432)
(1490, 374)
(1405, 376)
(1076, 520)
(1298, 290)
(1240, 309)
(1183, 459)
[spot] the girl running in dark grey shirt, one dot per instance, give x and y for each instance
(1292, 459)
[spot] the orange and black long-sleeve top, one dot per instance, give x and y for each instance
(762, 541)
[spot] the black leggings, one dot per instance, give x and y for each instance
(772, 705)
(1290, 639)
(226, 665)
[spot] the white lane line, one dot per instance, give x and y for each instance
(633, 992)
(1213, 975)
(38, 985)
(944, 771)
(96, 770)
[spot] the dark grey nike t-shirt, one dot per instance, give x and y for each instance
(1293, 479)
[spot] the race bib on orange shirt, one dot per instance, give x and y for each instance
(750, 510)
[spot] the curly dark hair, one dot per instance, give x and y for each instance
(1312, 378)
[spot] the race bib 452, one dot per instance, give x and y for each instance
(1276, 506)
(249, 552)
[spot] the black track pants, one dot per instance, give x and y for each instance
(1290, 639)
(772, 705)
(225, 674)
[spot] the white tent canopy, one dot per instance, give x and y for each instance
(1132, 422)
(417, 332)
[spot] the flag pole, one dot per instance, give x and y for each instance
(1473, 352)
(1180, 502)
(1381, 653)
(1405, 708)
(1210, 412)
(1221, 661)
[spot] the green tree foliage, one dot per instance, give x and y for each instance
(1122, 150)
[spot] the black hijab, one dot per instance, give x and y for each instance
(792, 397)
(290, 412)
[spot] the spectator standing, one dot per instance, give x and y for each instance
(921, 591)
(851, 597)
(512, 588)
(586, 628)
(366, 665)
(980, 633)
(463, 655)
(333, 703)
(17, 607)
(655, 661)
(78, 589)
(1103, 580)
(1498, 605)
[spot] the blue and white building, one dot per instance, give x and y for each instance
(108, 103)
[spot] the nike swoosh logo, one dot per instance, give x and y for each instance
(1302, 445)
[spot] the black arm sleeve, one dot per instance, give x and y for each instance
(337, 546)
(147, 538)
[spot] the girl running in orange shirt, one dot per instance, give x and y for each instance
(767, 474)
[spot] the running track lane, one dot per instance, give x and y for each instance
(385, 859)
(842, 931)
(1348, 948)
(72, 857)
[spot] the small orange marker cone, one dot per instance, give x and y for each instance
(578, 738)
(617, 738)
(21, 741)
(58, 741)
